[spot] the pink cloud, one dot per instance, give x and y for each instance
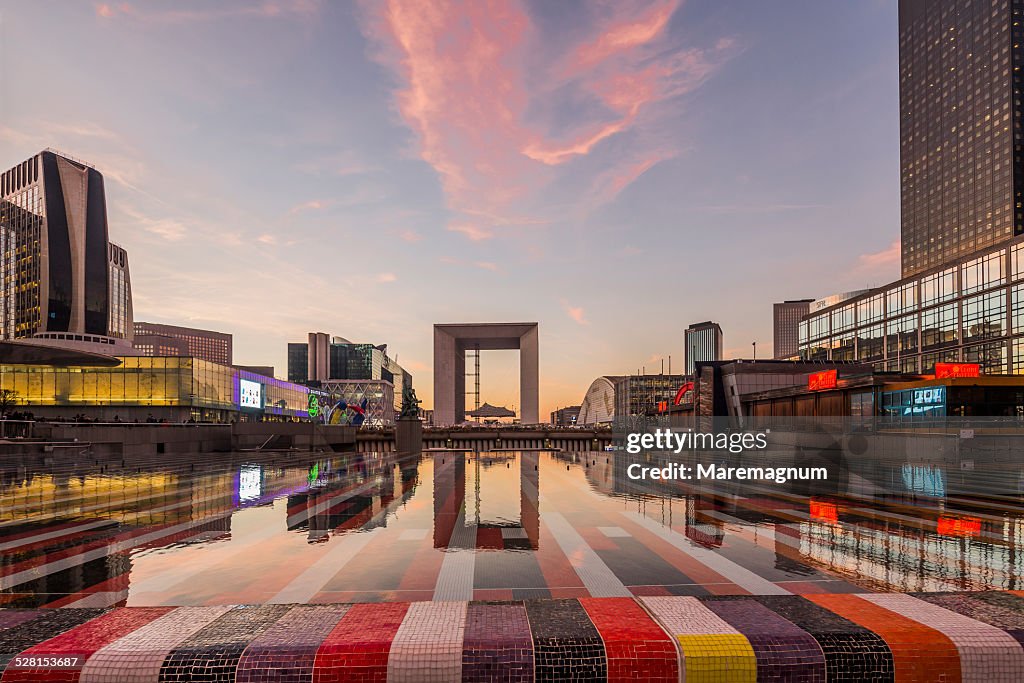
(611, 183)
(471, 231)
(466, 86)
(212, 11)
(881, 259)
(576, 313)
(311, 205)
(410, 236)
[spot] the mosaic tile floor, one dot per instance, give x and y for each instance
(716, 639)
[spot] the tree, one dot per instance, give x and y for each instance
(8, 399)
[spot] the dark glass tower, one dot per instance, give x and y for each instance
(961, 164)
(55, 259)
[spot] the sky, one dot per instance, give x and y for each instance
(614, 171)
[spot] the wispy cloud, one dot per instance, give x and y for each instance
(311, 205)
(467, 91)
(886, 258)
(386, 277)
(576, 313)
(206, 12)
(410, 236)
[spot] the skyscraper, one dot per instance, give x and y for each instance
(702, 342)
(961, 158)
(787, 317)
(62, 280)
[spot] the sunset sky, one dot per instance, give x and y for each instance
(613, 171)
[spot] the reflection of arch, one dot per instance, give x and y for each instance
(599, 402)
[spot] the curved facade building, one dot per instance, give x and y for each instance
(598, 405)
(56, 262)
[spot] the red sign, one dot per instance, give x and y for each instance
(823, 511)
(959, 526)
(683, 390)
(662, 406)
(943, 370)
(826, 379)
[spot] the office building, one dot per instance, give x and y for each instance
(971, 311)
(565, 417)
(961, 163)
(323, 359)
(642, 394)
(63, 282)
(702, 342)
(786, 328)
(156, 339)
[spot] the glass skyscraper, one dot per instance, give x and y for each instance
(61, 277)
(702, 342)
(961, 158)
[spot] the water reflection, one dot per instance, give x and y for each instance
(237, 528)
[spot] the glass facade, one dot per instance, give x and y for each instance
(702, 342)
(142, 381)
(215, 347)
(960, 132)
(972, 311)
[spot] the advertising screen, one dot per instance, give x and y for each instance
(250, 394)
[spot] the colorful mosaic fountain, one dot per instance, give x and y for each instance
(789, 638)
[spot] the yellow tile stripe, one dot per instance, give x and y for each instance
(718, 658)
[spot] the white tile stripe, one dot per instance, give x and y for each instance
(136, 657)
(987, 654)
(741, 576)
(599, 579)
(307, 584)
(686, 616)
(458, 568)
(224, 553)
(428, 645)
(96, 553)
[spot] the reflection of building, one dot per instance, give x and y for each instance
(786, 334)
(702, 342)
(323, 359)
(565, 417)
(961, 164)
(62, 279)
(186, 341)
(475, 506)
(173, 388)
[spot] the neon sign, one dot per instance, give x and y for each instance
(313, 408)
(826, 379)
(952, 370)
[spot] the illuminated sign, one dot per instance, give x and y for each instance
(826, 379)
(250, 482)
(250, 394)
(933, 396)
(662, 406)
(943, 370)
(313, 408)
(823, 511)
(959, 526)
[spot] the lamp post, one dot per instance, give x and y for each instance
(754, 344)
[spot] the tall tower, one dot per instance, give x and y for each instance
(961, 156)
(55, 259)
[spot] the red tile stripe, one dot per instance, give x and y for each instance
(919, 653)
(636, 646)
(357, 649)
(81, 642)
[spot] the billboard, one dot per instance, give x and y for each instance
(250, 394)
